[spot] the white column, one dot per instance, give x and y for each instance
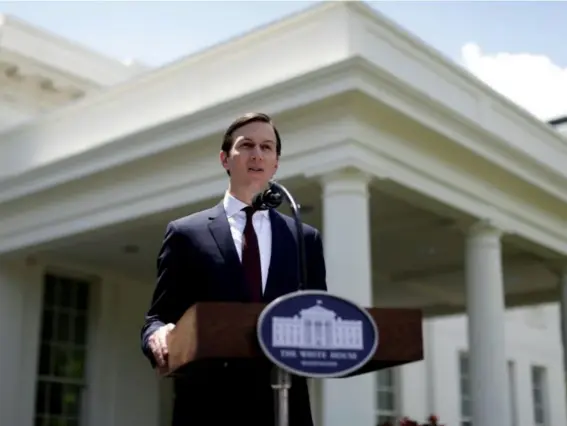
(346, 235)
(19, 321)
(563, 316)
(486, 322)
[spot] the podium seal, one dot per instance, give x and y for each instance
(315, 334)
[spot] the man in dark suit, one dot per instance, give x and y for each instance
(232, 253)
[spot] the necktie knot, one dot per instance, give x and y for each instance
(249, 210)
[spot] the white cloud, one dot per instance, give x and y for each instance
(532, 81)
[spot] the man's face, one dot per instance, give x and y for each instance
(253, 159)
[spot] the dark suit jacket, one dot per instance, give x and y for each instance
(198, 262)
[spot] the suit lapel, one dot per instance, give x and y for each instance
(281, 272)
(220, 229)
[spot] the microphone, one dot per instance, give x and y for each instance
(272, 198)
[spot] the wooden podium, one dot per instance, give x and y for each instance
(227, 331)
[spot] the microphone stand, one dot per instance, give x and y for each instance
(281, 379)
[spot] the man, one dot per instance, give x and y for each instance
(221, 255)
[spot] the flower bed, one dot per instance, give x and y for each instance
(431, 421)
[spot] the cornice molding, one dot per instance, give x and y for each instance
(32, 90)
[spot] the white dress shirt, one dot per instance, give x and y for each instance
(261, 222)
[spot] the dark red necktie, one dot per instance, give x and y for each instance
(251, 258)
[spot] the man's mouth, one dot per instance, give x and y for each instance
(255, 169)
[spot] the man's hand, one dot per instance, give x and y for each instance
(158, 345)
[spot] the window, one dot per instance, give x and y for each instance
(538, 390)
(465, 388)
(62, 354)
(466, 398)
(387, 400)
(512, 392)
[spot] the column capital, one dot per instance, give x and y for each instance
(345, 173)
(484, 228)
(479, 228)
(345, 180)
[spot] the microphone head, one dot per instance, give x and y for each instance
(271, 198)
(258, 201)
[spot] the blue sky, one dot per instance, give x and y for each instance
(159, 32)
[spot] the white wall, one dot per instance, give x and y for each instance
(125, 390)
(532, 338)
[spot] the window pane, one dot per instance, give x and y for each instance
(82, 296)
(465, 407)
(66, 293)
(55, 398)
(63, 324)
(385, 401)
(47, 325)
(539, 415)
(385, 378)
(465, 386)
(80, 329)
(50, 291)
(464, 365)
(41, 399)
(45, 360)
(71, 400)
(75, 363)
(538, 397)
(59, 354)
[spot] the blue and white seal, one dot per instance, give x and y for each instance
(315, 334)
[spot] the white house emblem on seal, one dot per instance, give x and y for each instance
(317, 328)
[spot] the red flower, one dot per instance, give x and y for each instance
(432, 420)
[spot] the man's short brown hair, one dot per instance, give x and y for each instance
(243, 120)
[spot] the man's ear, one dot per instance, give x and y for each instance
(223, 157)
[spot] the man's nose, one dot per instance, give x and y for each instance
(257, 152)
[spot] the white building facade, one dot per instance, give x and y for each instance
(455, 199)
(440, 384)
